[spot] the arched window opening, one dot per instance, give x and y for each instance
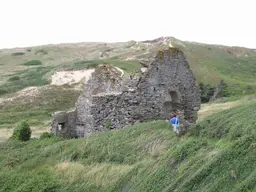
(171, 104)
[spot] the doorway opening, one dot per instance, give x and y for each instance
(171, 104)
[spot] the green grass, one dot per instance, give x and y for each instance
(18, 53)
(41, 52)
(234, 65)
(38, 75)
(14, 78)
(232, 124)
(32, 63)
(27, 78)
(38, 108)
(145, 157)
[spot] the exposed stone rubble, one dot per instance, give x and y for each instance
(110, 101)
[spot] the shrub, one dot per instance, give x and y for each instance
(93, 65)
(14, 78)
(195, 130)
(46, 135)
(18, 53)
(114, 58)
(207, 92)
(32, 62)
(22, 132)
(224, 89)
(41, 52)
(87, 64)
(33, 139)
(108, 124)
(3, 91)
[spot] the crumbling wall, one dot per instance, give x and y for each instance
(63, 124)
(109, 102)
(106, 79)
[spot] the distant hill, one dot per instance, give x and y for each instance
(235, 65)
(210, 63)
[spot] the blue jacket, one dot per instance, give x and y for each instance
(174, 121)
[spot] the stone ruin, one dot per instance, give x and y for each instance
(111, 100)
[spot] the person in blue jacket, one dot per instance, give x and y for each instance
(174, 121)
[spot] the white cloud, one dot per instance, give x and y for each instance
(34, 22)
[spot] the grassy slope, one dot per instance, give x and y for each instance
(235, 65)
(210, 63)
(37, 108)
(40, 75)
(145, 157)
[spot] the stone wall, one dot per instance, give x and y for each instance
(111, 102)
(63, 124)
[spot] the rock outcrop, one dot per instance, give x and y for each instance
(110, 101)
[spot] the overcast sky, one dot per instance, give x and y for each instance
(35, 22)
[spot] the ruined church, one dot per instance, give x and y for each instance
(111, 100)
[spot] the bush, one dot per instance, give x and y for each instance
(207, 92)
(93, 65)
(41, 52)
(108, 124)
(224, 89)
(18, 53)
(86, 64)
(22, 132)
(46, 135)
(32, 62)
(3, 91)
(14, 78)
(33, 139)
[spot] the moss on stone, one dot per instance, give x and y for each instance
(160, 54)
(174, 50)
(170, 51)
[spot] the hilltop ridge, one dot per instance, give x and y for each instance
(209, 63)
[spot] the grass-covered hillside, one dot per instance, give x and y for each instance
(36, 105)
(235, 65)
(218, 155)
(24, 67)
(25, 73)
